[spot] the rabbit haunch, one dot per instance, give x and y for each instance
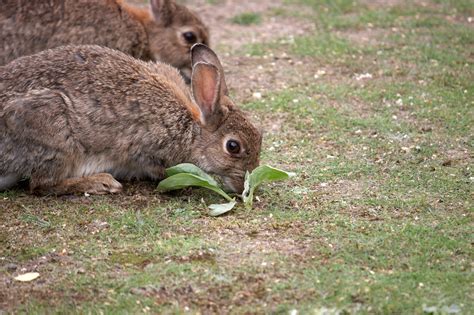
(155, 33)
(71, 116)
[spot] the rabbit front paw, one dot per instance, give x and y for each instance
(97, 184)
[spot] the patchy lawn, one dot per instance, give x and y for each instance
(370, 102)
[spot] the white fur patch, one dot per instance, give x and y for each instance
(93, 165)
(101, 163)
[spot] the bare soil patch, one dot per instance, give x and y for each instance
(366, 36)
(52, 267)
(224, 33)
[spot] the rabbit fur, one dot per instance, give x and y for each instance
(74, 117)
(155, 33)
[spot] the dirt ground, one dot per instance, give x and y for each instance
(336, 240)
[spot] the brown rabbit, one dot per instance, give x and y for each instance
(74, 116)
(164, 33)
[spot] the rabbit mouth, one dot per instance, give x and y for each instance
(230, 185)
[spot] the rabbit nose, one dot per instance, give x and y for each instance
(233, 185)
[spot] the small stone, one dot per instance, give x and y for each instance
(257, 95)
(363, 76)
(321, 72)
(11, 267)
(447, 163)
(426, 129)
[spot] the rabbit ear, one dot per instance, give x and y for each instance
(205, 83)
(163, 11)
(202, 53)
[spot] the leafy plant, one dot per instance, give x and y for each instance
(186, 174)
(218, 209)
(259, 175)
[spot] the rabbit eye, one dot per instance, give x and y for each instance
(190, 37)
(233, 147)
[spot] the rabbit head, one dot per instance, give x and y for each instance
(172, 31)
(228, 144)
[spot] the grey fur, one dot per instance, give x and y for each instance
(155, 33)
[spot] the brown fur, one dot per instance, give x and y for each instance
(140, 14)
(71, 114)
(30, 26)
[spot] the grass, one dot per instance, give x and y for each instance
(378, 220)
(247, 18)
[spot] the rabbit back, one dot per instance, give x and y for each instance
(79, 110)
(65, 22)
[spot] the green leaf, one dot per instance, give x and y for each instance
(258, 176)
(192, 169)
(182, 180)
(186, 174)
(218, 209)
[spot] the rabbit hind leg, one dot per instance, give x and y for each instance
(97, 184)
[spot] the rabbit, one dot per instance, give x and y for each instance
(74, 119)
(165, 32)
